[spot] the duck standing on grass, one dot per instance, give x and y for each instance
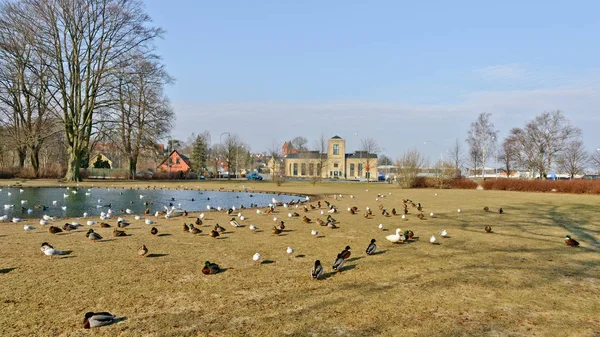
(317, 270)
(96, 319)
(210, 268)
(571, 242)
(488, 229)
(142, 251)
(338, 263)
(371, 248)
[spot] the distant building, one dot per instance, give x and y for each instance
(336, 163)
(175, 162)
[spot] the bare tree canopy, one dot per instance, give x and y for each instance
(482, 140)
(455, 152)
(573, 159)
(409, 166)
(82, 43)
(508, 154)
(299, 143)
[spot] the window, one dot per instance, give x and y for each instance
(336, 149)
(352, 170)
(303, 169)
(177, 161)
(311, 169)
(335, 173)
(360, 168)
(295, 169)
(335, 165)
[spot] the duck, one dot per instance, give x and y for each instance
(488, 229)
(256, 258)
(571, 242)
(104, 225)
(394, 238)
(54, 230)
(93, 236)
(409, 234)
(185, 227)
(444, 233)
(371, 248)
(500, 211)
(432, 239)
(281, 226)
(486, 209)
(117, 232)
(123, 224)
(314, 233)
(142, 251)
(198, 222)
(214, 233)
(219, 228)
(154, 231)
(420, 216)
(338, 263)
(332, 225)
(276, 231)
(69, 227)
(394, 211)
(345, 254)
(97, 319)
(321, 222)
(210, 268)
(194, 230)
(317, 270)
(234, 223)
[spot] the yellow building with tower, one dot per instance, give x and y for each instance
(335, 164)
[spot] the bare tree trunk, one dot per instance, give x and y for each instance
(22, 152)
(132, 166)
(34, 156)
(73, 165)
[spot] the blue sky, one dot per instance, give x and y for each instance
(400, 72)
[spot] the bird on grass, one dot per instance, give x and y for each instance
(486, 209)
(256, 258)
(281, 226)
(338, 263)
(28, 228)
(571, 242)
(314, 233)
(97, 319)
(444, 233)
(488, 229)
(371, 247)
(142, 251)
(394, 238)
(194, 230)
(210, 268)
(117, 232)
(432, 239)
(153, 231)
(289, 250)
(54, 230)
(93, 236)
(500, 211)
(317, 270)
(345, 254)
(185, 227)
(214, 233)
(69, 227)
(48, 250)
(219, 228)
(276, 231)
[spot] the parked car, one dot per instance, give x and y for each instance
(254, 176)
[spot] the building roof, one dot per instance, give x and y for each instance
(306, 155)
(336, 137)
(185, 158)
(361, 154)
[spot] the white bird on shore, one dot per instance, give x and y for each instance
(275, 219)
(314, 233)
(432, 239)
(322, 212)
(403, 217)
(289, 250)
(394, 237)
(242, 217)
(17, 220)
(48, 250)
(148, 222)
(444, 233)
(137, 217)
(290, 215)
(256, 258)
(253, 228)
(219, 208)
(208, 207)
(201, 216)
(381, 226)
(459, 210)
(28, 227)
(258, 211)
(91, 222)
(4, 217)
(44, 222)
(431, 214)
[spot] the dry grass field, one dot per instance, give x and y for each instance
(520, 280)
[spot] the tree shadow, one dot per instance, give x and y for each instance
(157, 255)
(7, 270)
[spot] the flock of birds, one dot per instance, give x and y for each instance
(96, 319)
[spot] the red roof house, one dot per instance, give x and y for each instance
(176, 162)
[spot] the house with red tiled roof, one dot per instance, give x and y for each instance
(175, 162)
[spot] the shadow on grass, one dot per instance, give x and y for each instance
(164, 234)
(7, 270)
(354, 259)
(157, 255)
(379, 252)
(267, 262)
(300, 255)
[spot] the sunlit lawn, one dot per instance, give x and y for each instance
(520, 280)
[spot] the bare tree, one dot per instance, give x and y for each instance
(320, 147)
(508, 153)
(276, 164)
(595, 160)
(456, 156)
(230, 151)
(482, 139)
(370, 147)
(409, 166)
(299, 143)
(573, 159)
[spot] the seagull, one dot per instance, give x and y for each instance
(256, 258)
(28, 227)
(314, 232)
(459, 210)
(431, 214)
(432, 239)
(381, 226)
(444, 233)
(289, 250)
(253, 228)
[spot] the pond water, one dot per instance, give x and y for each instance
(30, 202)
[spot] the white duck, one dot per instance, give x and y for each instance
(395, 237)
(432, 239)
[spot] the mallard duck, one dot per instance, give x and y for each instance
(306, 219)
(210, 268)
(54, 230)
(96, 319)
(93, 235)
(142, 251)
(104, 225)
(338, 263)
(332, 225)
(351, 211)
(486, 209)
(420, 216)
(394, 238)
(194, 230)
(198, 222)
(366, 215)
(281, 226)
(153, 231)
(68, 227)
(500, 211)
(117, 232)
(371, 247)
(219, 228)
(385, 213)
(234, 223)
(488, 229)
(394, 211)
(405, 211)
(317, 270)
(214, 233)
(346, 253)
(312, 206)
(276, 231)
(318, 204)
(185, 228)
(571, 242)
(409, 234)
(321, 222)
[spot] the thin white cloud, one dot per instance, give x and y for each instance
(505, 72)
